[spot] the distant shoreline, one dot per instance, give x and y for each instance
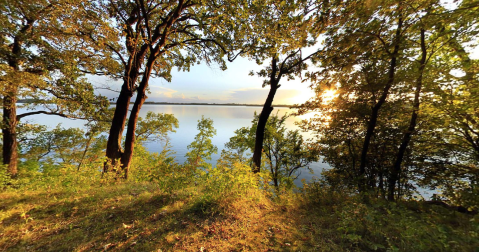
(216, 104)
(198, 103)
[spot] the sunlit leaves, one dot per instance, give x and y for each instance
(155, 127)
(356, 61)
(202, 148)
(285, 151)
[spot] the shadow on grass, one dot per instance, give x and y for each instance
(140, 217)
(116, 218)
(342, 222)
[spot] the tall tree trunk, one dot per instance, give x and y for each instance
(133, 119)
(263, 117)
(394, 176)
(10, 152)
(375, 110)
(113, 146)
(9, 124)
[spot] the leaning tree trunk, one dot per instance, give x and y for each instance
(10, 152)
(394, 177)
(375, 110)
(263, 117)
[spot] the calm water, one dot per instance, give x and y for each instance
(226, 120)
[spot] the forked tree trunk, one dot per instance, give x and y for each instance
(113, 147)
(133, 67)
(394, 176)
(133, 119)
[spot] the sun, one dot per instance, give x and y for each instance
(328, 96)
(302, 96)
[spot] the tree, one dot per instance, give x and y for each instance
(366, 71)
(39, 62)
(280, 31)
(447, 151)
(285, 150)
(201, 149)
(45, 151)
(158, 36)
(377, 61)
(155, 127)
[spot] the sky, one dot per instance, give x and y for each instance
(209, 84)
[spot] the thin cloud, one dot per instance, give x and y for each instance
(163, 92)
(258, 96)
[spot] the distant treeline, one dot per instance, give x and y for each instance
(216, 104)
(186, 103)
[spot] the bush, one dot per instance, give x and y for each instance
(160, 168)
(4, 176)
(224, 184)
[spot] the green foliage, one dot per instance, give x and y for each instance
(45, 151)
(359, 66)
(230, 179)
(226, 181)
(5, 178)
(155, 127)
(285, 150)
(280, 30)
(225, 184)
(62, 176)
(43, 63)
(201, 149)
(385, 226)
(160, 168)
(448, 145)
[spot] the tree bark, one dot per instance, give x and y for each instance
(10, 149)
(394, 176)
(375, 110)
(87, 146)
(127, 155)
(132, 69)
(10, 120)
(263, 117)
(113, 147)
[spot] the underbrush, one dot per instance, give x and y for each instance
(227, 208)
(344, 223)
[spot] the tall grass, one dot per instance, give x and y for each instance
(171, 207)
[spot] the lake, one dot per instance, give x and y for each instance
(226, 119)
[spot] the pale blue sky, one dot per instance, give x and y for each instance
(211, 85)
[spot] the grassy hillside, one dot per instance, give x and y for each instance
(224, 210)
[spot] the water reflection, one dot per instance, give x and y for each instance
(226, 120)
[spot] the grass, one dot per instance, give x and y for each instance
(141, 216)
(137, 216)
